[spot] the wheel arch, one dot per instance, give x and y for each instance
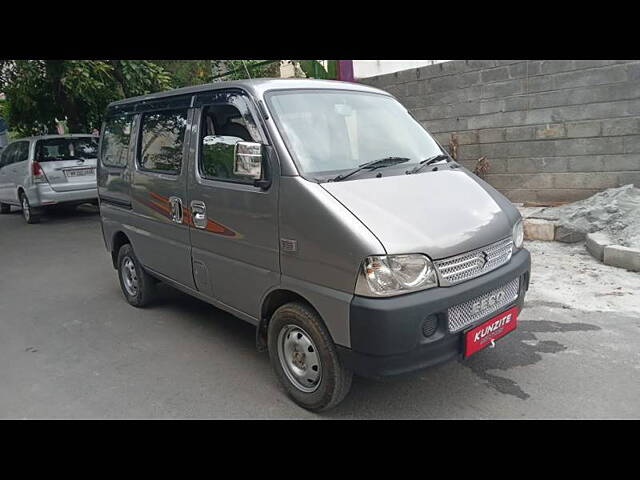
(117, 241)
(271, 302)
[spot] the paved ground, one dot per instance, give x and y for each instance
(71, 347)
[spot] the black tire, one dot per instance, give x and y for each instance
(5, 208)
(30, 215)
(143, 293)
(335, 380)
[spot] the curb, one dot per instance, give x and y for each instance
(623, 257)
(538, 229)
(549, 231)
(598, 244)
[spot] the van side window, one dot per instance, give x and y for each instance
(115, 141)
(161, 141)
(224, 125)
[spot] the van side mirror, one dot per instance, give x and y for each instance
(247, 160)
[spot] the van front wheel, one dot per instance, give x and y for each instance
(137, 285)
(304, 358)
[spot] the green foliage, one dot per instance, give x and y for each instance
(140, 77)
(4, 109)
(40, 91)
(185, 73)
(237, 69)
(315, 69)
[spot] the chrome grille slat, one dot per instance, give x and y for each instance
(465, 269)
(463, 314)
(459, 268)
(460, 263)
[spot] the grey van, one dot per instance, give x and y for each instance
(48, 170)
(322, 213)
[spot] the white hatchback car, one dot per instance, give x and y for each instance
(37, 172)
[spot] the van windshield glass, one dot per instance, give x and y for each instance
(329, 132)
(53, 149)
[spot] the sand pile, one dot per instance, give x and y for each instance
(615, 211)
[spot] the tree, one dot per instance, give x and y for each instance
(242, 69)
(315, 69)
(40, 91)
(185, 73)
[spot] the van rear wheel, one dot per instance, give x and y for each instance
(137, 285)
(5, 208)
(304, 358)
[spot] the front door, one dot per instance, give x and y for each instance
(234, 224)
(159, 194)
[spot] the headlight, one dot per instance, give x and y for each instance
(386, 275)
(518, 234)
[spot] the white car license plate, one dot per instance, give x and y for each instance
(80, 172)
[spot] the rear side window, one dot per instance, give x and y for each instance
(115, 141)
(21, 153)
(7, 155)
(56, 149)
(161, 141)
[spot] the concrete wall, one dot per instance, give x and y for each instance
(552, 130)
(371, 68)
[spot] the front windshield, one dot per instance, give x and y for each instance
(329, 132)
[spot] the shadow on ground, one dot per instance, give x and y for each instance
(64, 214)
(395, 395)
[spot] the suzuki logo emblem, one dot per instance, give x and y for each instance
(482, 259)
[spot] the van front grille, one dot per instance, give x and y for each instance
(457, 269)
(466, 313)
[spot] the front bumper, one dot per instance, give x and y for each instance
(386, 333)
(45, 195)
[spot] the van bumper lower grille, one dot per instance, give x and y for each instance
(466, 313)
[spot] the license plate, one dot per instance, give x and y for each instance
(496, 327)
(80, 172)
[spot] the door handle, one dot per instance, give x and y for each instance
(176, 209)
(199, 213)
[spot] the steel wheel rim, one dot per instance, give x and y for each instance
(25, 209)
(299, 358)
(129, 276)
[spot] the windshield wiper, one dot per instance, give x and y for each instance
(428, 161)
(380, 163)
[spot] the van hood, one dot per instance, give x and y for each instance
(440, 214)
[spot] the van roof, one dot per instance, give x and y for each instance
(257, 86)
(46, 137)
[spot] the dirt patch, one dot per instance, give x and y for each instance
(566, 274)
